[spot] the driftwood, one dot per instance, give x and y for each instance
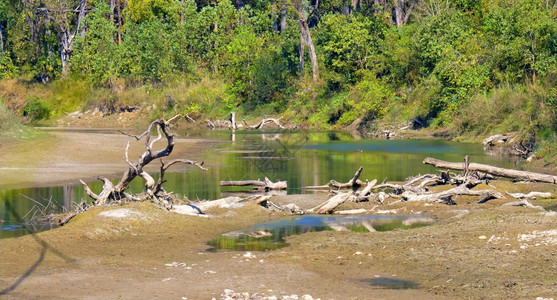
(153, 189)
(531, 195)
(218, 124)
(523, 203)
(230, 202)
(267, 184)
(328, 206)
(264, 122)
(446, 196)
(352, 183)
(496, 171)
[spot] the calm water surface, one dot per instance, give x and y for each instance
(301, 158)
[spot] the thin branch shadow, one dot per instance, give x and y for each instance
(45, 247)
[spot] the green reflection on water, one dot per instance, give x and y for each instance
(272, 235)
(300, 158)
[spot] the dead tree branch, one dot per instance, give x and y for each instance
(267, 184)
(495, 171)
(264, 122)
(116, 192)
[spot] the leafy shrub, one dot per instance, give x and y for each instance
(7, 68)
(36, 109)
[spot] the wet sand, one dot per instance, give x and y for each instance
(65, 156)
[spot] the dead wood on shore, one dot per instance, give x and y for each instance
(267, 184)
(495, 171)
(153, 190)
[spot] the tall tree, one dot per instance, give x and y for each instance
(305, 12)
(403, 9)
(1, 41)
(67, 16)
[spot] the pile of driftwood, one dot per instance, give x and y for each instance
(414, 189)
(232, 125)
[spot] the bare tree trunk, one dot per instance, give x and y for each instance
(345, 8)
(118, 9)
(305, 39)
(283, 16)
(312, 54)
(68, 36)
(403, 9)
(302, 46)
(111, 192)
(182, 14)
(1, 43)
(356, 5)
(112, 7)
(496, 171)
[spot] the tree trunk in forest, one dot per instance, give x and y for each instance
(305, 39)
(496, 171)
(1, 43)
(112, 7)
(356, 5)
(403, 9)
(282, 23)
(182, 13)
(118, 9)
(346, 8)
(68, 36)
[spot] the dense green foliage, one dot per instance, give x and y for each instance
(475, 66)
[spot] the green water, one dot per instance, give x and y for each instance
(301, 158)
(392, 283)
(272, 235)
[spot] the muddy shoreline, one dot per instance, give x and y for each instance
(474, 251)
(62, 157)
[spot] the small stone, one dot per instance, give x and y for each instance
(482, 237)
(210, 272)
(228, 291)
(307, 297)
(358, 253)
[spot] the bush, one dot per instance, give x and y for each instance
(36, 109)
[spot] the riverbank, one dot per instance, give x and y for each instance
(473, 251)
(63, 157)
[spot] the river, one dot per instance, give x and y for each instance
(301, 158)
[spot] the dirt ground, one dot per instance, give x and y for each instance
(475, 251)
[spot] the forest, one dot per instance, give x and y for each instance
(467, 68)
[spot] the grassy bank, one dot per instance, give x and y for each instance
(528, 111)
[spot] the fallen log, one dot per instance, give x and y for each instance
(523, 203)
(267, 184)
(328, 206)
(229, 202)
(446, 196)
(366, 193)
(352, 183)
(264, 122)
(496, 171)
(531, 195)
